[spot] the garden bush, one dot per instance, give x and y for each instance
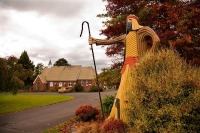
(78, 87)
(86, 113)
(165, 96)
(114, 126)
(94, 88)
(107, 104)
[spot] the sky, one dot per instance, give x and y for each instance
(50, 29)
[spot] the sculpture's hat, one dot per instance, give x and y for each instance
(132, 16)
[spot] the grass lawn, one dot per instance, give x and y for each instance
(13, 103)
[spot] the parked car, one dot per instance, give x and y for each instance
(64, 90)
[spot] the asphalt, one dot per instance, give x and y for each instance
(40, 119)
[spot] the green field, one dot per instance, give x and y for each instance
(13, 103)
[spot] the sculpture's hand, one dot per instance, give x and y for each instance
(91, 40)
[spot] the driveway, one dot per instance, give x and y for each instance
(39, 119)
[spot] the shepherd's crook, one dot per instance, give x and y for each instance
(94, 65)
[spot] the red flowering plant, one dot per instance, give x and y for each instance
(86, 112)
(114, 125)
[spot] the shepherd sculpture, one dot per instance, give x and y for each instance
(137, 40)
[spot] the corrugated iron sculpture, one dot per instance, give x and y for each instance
(137, 40)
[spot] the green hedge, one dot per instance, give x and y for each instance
(165, 96)
(78, 88)
(107, 104)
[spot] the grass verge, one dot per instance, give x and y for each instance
(12, 103)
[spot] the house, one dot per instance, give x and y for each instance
(55, 77)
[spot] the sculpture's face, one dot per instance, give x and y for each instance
(128, 25)
(132, 23)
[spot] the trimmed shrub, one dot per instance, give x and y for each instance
(165, 95)
(107, 104)
(114, 126)
(78, 87)
(94, 88)
(86, 113)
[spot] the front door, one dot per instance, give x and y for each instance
(38, 86)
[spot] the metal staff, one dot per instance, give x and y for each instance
(94, 64)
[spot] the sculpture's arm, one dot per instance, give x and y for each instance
(147, 31)
(107, 42)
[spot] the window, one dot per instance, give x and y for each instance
(70, 84)
(81, 82)
(51, 84)
(86, 82)
(60, 84)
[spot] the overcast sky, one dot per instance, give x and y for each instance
(50, 29)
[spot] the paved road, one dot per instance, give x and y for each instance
(39, 119)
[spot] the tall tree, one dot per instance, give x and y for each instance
(38, 69)
(12, 74)
(16, 75)
(173, 20)
(109, 77)
(28, 65)
(61, 62)
(3, 74)
(25, 61)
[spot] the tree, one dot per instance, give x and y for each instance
(28, 65)
(61, 62)
(3, 74)
(16, 84)
(109, 77)
(12, 74)
(15, 75)
(25, 61)
(38, 69)
(172, 20)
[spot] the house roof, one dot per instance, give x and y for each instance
(86, 73)
(67, 73)
(43, 78)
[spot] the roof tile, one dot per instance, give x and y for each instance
(67, 73)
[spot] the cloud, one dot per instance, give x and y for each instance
(5, 22)
(62, 8)
(50, 29)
